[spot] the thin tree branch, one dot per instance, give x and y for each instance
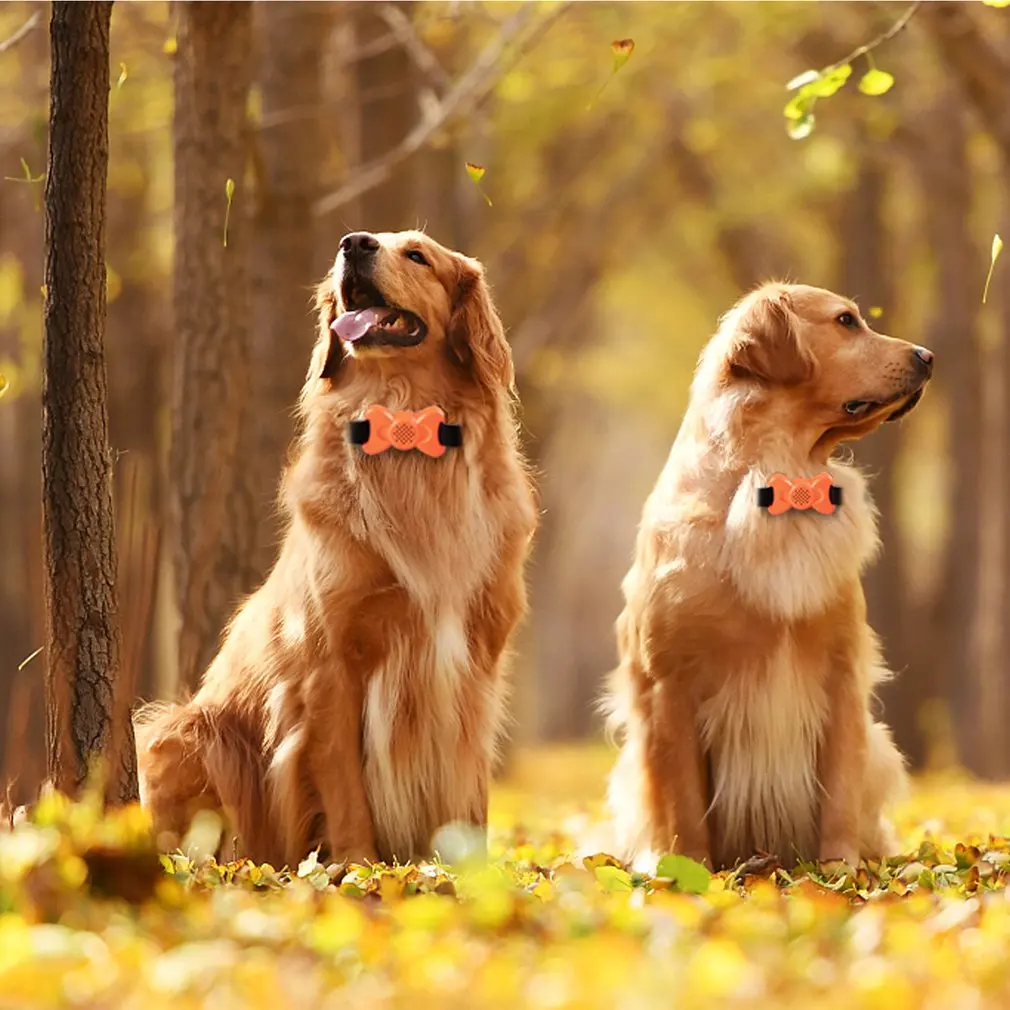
(895, 29)
(464, 95)
(24, 30)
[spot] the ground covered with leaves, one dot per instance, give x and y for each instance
(91, 916)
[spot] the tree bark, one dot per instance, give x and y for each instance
(211, 375)
(387, 111)
(948, 653)
(87, 716)
(284, 260)
(980, 67)
(865, 274)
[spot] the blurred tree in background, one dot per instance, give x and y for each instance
(627, 211)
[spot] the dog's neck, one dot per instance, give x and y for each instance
(380, 381)
(720, 446)
(748, 432)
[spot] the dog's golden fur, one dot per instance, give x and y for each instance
(747, 667)
(359, 695)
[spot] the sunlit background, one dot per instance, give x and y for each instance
(618, 215)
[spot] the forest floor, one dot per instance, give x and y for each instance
(91, 917)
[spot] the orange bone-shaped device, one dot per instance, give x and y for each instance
(424, 430)
(800, 493)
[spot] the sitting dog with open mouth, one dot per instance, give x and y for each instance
(359, 695)
(747, 667)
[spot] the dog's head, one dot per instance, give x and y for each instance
(813, 364)
(401, 295)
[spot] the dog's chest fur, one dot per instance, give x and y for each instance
(430, 720)
(793, 566)
(761, 731)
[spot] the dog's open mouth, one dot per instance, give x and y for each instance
(370, 322)
(908, 405)
(859, 410)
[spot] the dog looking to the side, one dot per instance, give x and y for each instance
(359, 695)
(747, 667)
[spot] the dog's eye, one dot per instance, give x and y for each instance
(417, 256)
(848, 320)
(856, 407)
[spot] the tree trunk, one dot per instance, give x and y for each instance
(865, 275)
(284, 262)
(947, 652)
(970, 55)
(211, 375)
(88, 712)
(387, 111)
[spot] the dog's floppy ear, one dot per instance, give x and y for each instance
(328, 353)
(475, 334)
(766, 343)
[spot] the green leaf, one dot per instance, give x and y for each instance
(800, 105)
(688, 875)
(801, 80)
(830, 81)
(798, 129)
(613, 879)
(622, 50)
(997, 248)
(875, 82)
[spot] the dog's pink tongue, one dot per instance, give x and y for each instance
(351, 326)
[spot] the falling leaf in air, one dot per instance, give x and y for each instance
(875, 82)
(24, 662)
(621, 50)
(476, 173)
(996, 3)
(876, 311)
(171, 46)
(122, 75)
(4, 384)
(229, 192)
(997, 248)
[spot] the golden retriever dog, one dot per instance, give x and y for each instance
(747, 667)
(359, 695)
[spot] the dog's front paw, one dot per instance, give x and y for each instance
(835, 851)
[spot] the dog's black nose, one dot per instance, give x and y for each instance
(359, 244)
(924, 360)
